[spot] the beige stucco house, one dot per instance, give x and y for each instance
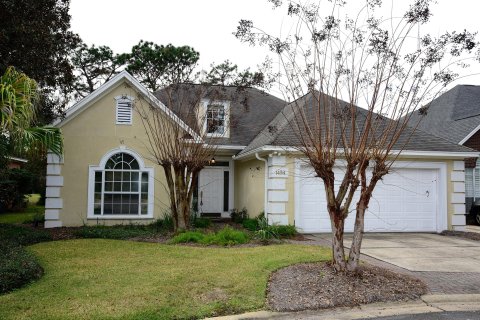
(106, 175)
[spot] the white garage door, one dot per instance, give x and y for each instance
(405, 201)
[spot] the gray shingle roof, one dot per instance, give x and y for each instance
(453, 115)
(250, 111)
(280, 132)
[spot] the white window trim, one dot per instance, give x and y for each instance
(203, 113)
(101, 166)
(121, 99)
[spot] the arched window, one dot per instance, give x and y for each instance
(122, 187)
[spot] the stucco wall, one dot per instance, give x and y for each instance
(250, 186)
(87, 138)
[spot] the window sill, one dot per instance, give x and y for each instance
(120, 217)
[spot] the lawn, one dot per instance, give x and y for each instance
(25, 215)
(114, 279)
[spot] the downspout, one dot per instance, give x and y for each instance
(265, 202)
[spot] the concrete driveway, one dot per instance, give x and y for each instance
(421, 251)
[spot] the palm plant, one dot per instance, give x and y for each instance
(17, 117)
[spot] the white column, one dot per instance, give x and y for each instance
(53, 199)
(457, 197)
(277, 194)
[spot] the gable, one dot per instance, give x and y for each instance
(100, 117)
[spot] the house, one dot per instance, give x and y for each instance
(15, 162)
(256, 166)
(455, 117)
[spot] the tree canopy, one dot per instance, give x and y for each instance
(94, 66)
(156, 66)
(35, 39)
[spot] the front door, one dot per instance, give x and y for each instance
(211, 186)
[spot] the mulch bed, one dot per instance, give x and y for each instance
(318, 286)
(462, 234)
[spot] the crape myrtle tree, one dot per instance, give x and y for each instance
(336, 62)
(182, 138)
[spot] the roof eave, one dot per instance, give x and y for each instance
(403, 153)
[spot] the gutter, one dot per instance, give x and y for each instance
(265, 202)
(404, 153)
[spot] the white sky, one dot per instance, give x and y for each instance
(207, 25)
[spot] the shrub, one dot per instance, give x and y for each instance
(113, 232)
(165, 223)
(14, 185)
(18, 267)
(22, 235)
(188, 237)
(265, 232)
(287, 231)
(202, 222)
(226, 237)
(250, 224)
(239, 215)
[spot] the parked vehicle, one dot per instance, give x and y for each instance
(474, 214)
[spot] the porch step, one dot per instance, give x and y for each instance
(218, 219)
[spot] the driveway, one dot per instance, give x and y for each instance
(448, 265)
(421, 251)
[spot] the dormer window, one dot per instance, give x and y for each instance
(124, 110)
(216, 118)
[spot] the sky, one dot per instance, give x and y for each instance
(207, 25)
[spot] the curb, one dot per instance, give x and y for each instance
(427, 304)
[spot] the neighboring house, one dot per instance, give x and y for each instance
(256, 167)
(455, 116)
(15, 163)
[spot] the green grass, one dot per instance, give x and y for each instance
(113, 279)
(26, 215)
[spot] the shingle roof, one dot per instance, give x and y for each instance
(280, 132)
(453, 115)
(250, 111)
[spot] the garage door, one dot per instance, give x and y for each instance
(405, 201)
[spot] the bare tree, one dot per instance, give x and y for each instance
(178, 142)
(331, 64)
(183, 137)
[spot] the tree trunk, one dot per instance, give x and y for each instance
(183, 206)
(338, 252)
(167, 168)
(358, 231)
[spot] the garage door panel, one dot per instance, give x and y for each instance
(405, 200)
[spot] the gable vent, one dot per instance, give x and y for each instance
(124, 111)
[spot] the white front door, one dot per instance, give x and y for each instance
(211, 190)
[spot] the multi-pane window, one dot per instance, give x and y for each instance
(215, 119)
(121, 187)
